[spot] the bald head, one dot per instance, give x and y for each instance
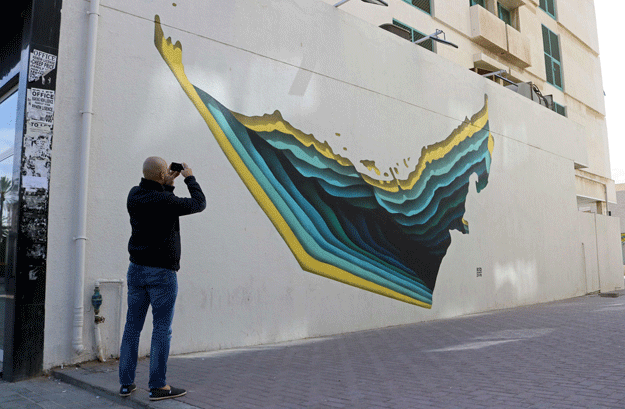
(155, 168)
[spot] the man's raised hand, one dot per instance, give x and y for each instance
(170, 176)
(187, 171)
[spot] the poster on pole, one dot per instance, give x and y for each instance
(41, 64)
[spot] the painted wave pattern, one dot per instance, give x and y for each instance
(394, 234)
(384, 236)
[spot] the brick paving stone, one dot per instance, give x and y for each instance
(562, 354)
(48, 393)
(49, 405)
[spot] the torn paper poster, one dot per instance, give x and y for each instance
(33, 183)
(41, 64)
(39, 110)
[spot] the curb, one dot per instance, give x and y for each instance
(138, 400)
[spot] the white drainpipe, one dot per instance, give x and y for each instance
(83, 184)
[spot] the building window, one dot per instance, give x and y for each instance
(478, 2)
(8, 114)
(560, 109)
(553, 61)
(504, 14)
(415, 35)
(424, 5)
(549, 6)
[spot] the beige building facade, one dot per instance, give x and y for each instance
(547, 50)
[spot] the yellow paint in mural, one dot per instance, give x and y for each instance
(437, 151)
(172, 54)
(273, 122)
(370, 165)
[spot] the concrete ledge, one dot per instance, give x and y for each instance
(518, 48)
(488, 31)
(485, 62)
(101, 378)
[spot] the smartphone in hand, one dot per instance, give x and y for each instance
(176, 167)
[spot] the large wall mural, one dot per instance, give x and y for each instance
(384, 236)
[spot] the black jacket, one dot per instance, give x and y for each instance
(154, 212)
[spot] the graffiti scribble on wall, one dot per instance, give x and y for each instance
(385, 236)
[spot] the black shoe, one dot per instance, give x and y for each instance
(159, 394)
(126, 390)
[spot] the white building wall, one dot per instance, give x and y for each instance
(618, 210)
(64, 176)
(327, 72)
(599, 236)
(579, 18)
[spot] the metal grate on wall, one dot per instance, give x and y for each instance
(416, 35)
(424, 5)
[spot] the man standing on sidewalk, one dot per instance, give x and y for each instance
(154, 249)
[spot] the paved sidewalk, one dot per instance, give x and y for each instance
(49, 393)
(565, 354)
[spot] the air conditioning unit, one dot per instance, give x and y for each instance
(549, 101)
(531, 91)
(512, 87)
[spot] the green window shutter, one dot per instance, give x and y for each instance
(549, 6)
(504, 14)
(560, 109)
(553, 63)
(546, 41)
(549, 69)
(478, 2)
(415, 35)
(557, 75)
(555, 45)
(424, 5)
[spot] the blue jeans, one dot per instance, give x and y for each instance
(148, 286)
